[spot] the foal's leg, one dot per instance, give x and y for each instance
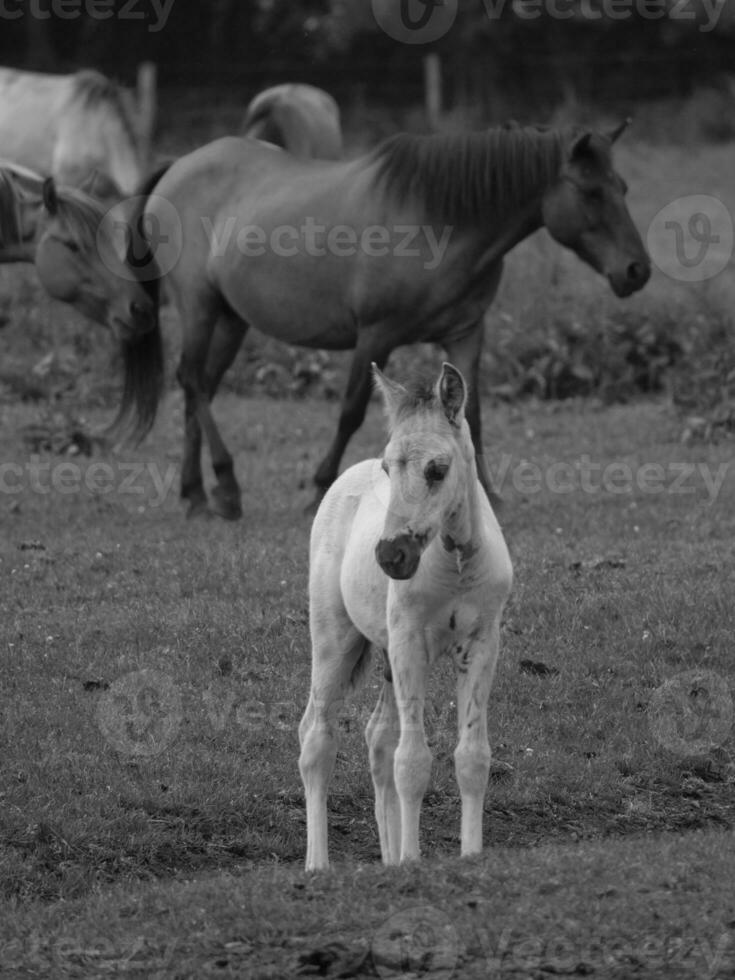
(412, 761)
(228, 337)
(382, 735)
(472, 755)
(336, 653)
(372, 345)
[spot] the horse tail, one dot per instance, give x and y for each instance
(142, 357)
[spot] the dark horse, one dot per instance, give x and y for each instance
(403, 244)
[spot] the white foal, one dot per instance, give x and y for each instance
(407, 557)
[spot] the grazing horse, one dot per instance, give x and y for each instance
(401, 245)
(79, 260)
(406, 557)
(69, 126)
(300, 118)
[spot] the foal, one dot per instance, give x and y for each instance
(406, 556)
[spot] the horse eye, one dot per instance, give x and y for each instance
(595, 195)
(435, 472)
(72, 246)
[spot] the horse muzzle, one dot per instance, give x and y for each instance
(398, 557)
(631, 279)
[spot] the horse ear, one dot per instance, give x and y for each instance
(392, 392)
(615, 135)
(50, 197)
(581, 147)
(452, 392)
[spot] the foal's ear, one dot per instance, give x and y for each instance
(50, 197)
(392, 392)
(452, 392)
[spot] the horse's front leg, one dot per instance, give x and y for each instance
(373, 344)
(476, 668)
(465, 355)
(412, 759)
(382, 734)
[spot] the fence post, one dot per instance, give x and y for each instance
(433, 89)
(147, 89)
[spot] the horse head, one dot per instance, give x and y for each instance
(585, 210)
(428, 461)
(81, 259)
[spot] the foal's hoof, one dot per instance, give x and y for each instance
(226, 504)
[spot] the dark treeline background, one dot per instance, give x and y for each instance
(491, 63)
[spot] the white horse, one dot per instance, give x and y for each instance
(70, 126)
(406, 556)
(300, 118)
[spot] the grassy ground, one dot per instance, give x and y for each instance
(155, 671)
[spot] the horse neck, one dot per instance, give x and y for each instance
(122, 154)
(460, 530)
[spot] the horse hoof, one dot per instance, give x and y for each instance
(197, 509)
(226, 505)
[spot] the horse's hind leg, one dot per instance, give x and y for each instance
(371, 346)
(382, 734)
(228, 337)
(337, 653)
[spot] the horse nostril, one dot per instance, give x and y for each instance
(637, 272)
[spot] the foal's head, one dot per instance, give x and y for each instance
(585, 210)
(429, 460)
(79, 261)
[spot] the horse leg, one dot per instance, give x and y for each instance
(465, 356)
(354, 406)
(198, 327)
(228, 336)
(382, 735)
(337, 648)
(412, 760)
(472, 755)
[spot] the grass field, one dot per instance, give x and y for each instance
(154, 670)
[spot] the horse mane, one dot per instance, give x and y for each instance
(459, 177)
(79, 212)
(92, 90)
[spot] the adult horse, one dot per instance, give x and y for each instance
(403, 244)
(300, 118)
(69, 126)
(79, 259)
